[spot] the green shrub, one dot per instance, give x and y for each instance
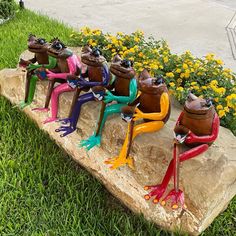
(7, 8)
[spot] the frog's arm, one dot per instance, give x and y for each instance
(192, 138)
(132, 93)
(72, 64)
(52, 64)
(164, 107)
(104, 82)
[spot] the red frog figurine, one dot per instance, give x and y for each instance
(196, 129)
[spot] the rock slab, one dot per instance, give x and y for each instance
(209, 180)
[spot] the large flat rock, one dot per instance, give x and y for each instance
(209, 180)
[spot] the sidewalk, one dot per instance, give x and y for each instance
(195, 25)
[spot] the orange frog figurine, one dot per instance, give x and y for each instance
(152, 106)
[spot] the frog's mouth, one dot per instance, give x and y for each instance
(92, 57)
(53, 53)
(37, 44)
(150, 85)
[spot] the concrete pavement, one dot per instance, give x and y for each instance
(195, 25)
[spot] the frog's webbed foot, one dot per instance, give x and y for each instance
(65, 121)
(91, 142)
(117, 162)
(41, 109)
(50, 119)
(23, 104)
(156, 190)
(177, 199)
(66, 129)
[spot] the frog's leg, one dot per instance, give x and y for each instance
(75, 114)
(159, 189)
(32, 86)
(123, 157)
(95, 139)
(27, 85)
(62, 88)
(67, 120)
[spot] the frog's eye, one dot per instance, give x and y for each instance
(41, 41)
(58, 46)
(158, 81)
(126, 63)
(209, 102)
(96, 52)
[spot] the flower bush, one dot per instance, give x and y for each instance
(205, 77)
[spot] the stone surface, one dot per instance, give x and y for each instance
(209, 180)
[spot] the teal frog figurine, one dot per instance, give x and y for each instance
(122, 90)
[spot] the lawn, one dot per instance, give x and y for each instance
(43, 192)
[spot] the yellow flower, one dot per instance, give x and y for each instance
(172, 84)
(132, 50)
(180, 89)
(193, 83)
(136, 39)
(165, 59)
(226, 109)
(214, 83)
(219, 62)
(221, 113)
(120, 33)
(196, 65)
(210, 56)
(170, 74)
(138, 64)
(231, 101)
(185, 66)
(178, 70)
(140, 54)
(93, 44)
(216, 99)
(186, 75)
(113, 50)
(219, 107)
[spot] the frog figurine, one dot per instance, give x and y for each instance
(122, 90)
(98, 76)
(67, 64)
(152, 106)
(196, 129)
(38, 46)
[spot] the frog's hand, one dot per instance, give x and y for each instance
(91, 142)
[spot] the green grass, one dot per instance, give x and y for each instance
(43, 192)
